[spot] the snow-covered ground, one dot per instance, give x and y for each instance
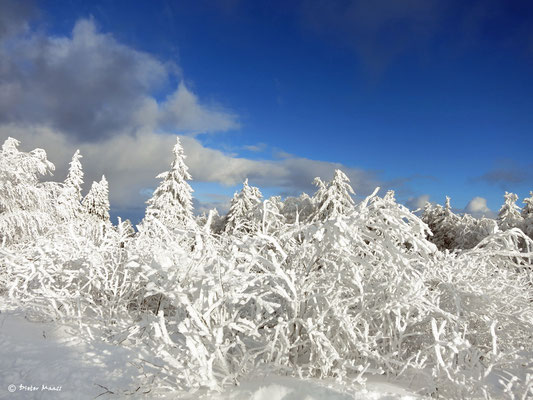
(35, 354)
(282, 388)
(48, 361)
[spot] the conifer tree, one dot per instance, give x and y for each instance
(509, 215)
(442, 222)
(242, 213)
(171, 202)
(333, 198)
(96, 202)
(448, 206)
(70, 198)
(527, 215)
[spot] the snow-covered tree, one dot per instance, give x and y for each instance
(527, 216)
(171, 202)
(75, 175)
(442, 222)
(509, 215)
(26, 206)
(448, 206)
(333, 198)
(70, 198)
(297, 209)
(470, 231)
(243, 215)
(96, 202)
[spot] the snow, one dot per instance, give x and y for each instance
(46, 360)
(284, 388)
(33, 354)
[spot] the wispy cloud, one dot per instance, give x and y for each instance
(506, 174)
(256, 148)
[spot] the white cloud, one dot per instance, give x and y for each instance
(181, 109)
(414, 203)
(478, 207)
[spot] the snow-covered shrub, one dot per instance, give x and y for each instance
(26, 206)
(349, 291)
(68, 276)
(484, 295)
(337, 291)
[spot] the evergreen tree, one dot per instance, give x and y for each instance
(333, 198)
(171, 202)
(527, 216)
(96, 202)
(70, 198)
(509, 215)
(242, 215)
(75, 175)
(443, 224)
(448, 206)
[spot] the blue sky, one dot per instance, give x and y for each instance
(427, 97)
